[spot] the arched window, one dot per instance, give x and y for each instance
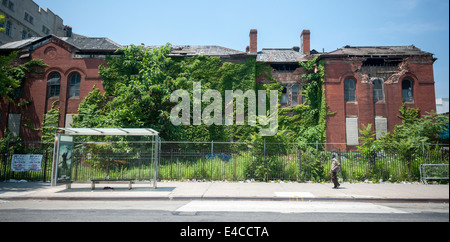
(407, 90)
(350, 90)
(74, 84)
(53, 84)
(378, 94)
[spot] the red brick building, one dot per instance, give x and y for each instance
(362, 84)
(71, 74)
(369, 85)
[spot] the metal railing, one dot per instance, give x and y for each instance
(433, 172)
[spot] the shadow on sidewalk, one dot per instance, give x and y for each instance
(112, 188)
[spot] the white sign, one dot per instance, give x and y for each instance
(26, 162)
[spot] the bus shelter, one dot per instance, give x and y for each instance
(64, 148)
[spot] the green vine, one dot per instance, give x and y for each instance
(142, 81)
(50, 124)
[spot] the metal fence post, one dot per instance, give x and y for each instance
(266, 163)
(299, 156)
(171, 158)
(212, 156)
(6, 160)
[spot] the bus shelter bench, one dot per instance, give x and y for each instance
(93, 182)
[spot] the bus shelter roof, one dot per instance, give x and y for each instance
(110, 131)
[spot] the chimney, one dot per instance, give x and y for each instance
(305, 39)
(253, 48)
(67, 31)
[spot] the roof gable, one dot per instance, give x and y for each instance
(82, 44)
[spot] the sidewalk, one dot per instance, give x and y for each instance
(363, 192)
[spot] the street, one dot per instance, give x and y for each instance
(219, 211)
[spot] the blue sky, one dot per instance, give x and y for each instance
(333, 24)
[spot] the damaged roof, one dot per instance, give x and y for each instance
(378, 51)
(280, 55)
(196, 50)
(92, 44)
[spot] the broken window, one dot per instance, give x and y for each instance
(285, 67)
(407, 90)
(350, 90)
(53, 84)
(382, 62)
(294, 97)
(378, 94)
(284, 96)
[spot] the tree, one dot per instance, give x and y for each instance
(140, 89)
(12, 74)
(408, 137)
(2, 20)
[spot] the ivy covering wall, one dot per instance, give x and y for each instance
(139, 83)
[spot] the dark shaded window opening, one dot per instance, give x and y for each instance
(74, 85)
(284, 96)
(53, 85)
(285, 67)
(381, 62)
(350, 90)
(378, 94)
(407, 90)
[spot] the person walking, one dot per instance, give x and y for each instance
(335, 166)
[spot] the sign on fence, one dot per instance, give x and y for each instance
(26, 162)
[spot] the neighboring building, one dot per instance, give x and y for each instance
(25, 19)
(442, 105)
(362, 84)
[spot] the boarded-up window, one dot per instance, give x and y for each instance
(69, 120)
(380, 126)
(351, 127)
(14, 123)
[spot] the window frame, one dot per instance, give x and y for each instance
(74, 88)
(410, 97)
(294, 98)
(349, 97)
(378, 93)
(284, 96)
(53, 88)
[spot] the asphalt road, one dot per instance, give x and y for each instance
(219, 211)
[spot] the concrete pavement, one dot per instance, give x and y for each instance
(361, 192)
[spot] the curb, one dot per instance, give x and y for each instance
(292, 199)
